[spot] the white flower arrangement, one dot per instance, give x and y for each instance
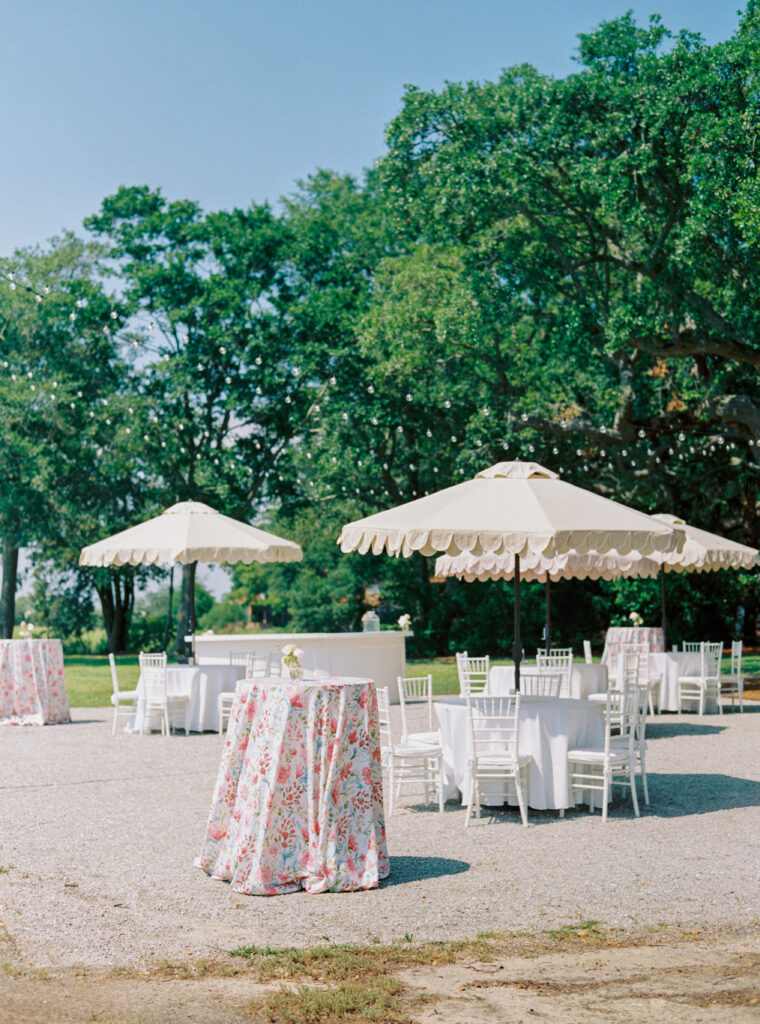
(291, 660)
(404, 621)
(26, 630)
(636, 619)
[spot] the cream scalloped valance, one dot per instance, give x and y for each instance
(511, 508)
(703, 551)
(571, 566)
(190, 532)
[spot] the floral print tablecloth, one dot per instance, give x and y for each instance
(298, 801)
(619, 635)
(32, 684)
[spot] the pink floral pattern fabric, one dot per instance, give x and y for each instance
(298, 801)
(619, 635)
(32, 684)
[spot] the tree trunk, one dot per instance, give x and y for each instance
(8, 592)
(117, 598)
(182, 649)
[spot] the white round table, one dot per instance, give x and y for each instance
(202, 684)
(549, 727)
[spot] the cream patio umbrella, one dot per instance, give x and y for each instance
(188, 533)
(516, 508)
(570, 566)
(702, 552)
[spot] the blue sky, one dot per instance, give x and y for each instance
(232, 101)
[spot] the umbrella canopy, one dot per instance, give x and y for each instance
(703, 551)
(512, 508)
(190, 532)
(516, 508)
(185, 534)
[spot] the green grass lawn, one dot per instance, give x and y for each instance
(88, 677)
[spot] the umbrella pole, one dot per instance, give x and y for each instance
(517, 646)
(662, 603)
(192, 610)
(548, 629)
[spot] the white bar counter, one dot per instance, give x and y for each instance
(380, 655)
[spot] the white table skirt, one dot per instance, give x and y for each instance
(584, 679)
(202, 684)
(549, 727)
(667, 668)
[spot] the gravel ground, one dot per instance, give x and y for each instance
(98, 834)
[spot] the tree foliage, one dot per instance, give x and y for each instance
(560, 270)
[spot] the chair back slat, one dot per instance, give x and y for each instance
(416, 699)
(542, 684)
(494, 726)
(621, 715)
(153, 676)
(629, 667)
(384, 719)
(710, 660)
(736, 658)
(257, 666)
(558, 660)
(473, 673)
(642, 672)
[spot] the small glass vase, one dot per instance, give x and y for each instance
(296, 672)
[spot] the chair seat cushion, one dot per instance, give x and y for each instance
(424, 737)
(500, 761)
(124, 695)
(596, 756)
(416, 750)
(620, 743)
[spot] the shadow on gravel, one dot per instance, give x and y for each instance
(675, 796)
(666, 730)
(415, 869)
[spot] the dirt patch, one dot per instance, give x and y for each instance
(586, 975)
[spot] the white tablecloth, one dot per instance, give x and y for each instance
(667, 668)
(549, 727)
(202, 684)
(584, 679)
